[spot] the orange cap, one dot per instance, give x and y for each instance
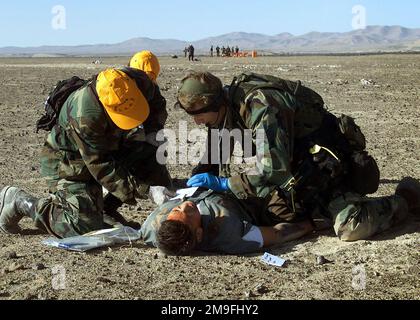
(147, 62)
(122, 99)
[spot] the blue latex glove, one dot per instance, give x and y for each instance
(209, 181)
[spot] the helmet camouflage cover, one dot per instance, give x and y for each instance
(199, 90)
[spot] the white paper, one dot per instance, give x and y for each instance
(273, 260)
(185, 193)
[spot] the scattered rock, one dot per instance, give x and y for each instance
(156, 256)
(368, 82)
(249, 294)
(42, 296)
(11, 255)
(15, 267)
(4, 294)
(321, 260)
(261, 289)
(414, 270)
(163, 255)
(128, 261)
(341, 82)
(30, 296)
(38, 266)
(104, 280)
(377, 274)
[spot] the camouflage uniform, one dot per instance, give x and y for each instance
(355, 216)
(191, 51)
(86, 151)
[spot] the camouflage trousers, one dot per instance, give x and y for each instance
(357, 218)
(75, 208)
(354, 217)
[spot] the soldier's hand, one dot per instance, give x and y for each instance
(209, 181)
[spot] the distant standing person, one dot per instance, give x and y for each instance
(218, 51)
(237, 50)
(211, 51)
(185, 51)
(191, 50)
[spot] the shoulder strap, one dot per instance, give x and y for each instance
(202, 195)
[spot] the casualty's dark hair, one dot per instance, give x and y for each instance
(175, 238)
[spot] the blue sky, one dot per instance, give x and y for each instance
(29, 23)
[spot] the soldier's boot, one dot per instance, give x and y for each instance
(14, 205)
(112, 217)
(409, 189)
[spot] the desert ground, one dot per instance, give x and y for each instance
(386, 108)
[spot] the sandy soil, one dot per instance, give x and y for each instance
(387, 111)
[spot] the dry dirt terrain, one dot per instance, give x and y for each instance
(387, 109)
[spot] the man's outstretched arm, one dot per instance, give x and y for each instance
(285, 232)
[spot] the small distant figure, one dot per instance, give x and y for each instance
(97, 62)
(211, 51)
(191, 51)
(185, 51)
(233, 51)
(237, 50)
(218, 51)
(228, 52)
(223, 52)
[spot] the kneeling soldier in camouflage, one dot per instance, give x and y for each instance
(314, 162)
(91, 147)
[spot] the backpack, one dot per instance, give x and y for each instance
(310, 114)
(56, 100)
(314, 125)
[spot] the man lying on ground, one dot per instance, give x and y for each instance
(219, 222)
(216, 222)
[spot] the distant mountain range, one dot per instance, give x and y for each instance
(371, 39)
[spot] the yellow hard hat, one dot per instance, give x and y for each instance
(147, 62)
(122, 99)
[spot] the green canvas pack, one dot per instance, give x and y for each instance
(310, 112)
(315, 125)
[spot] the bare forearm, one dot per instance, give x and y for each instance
(285, 232)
